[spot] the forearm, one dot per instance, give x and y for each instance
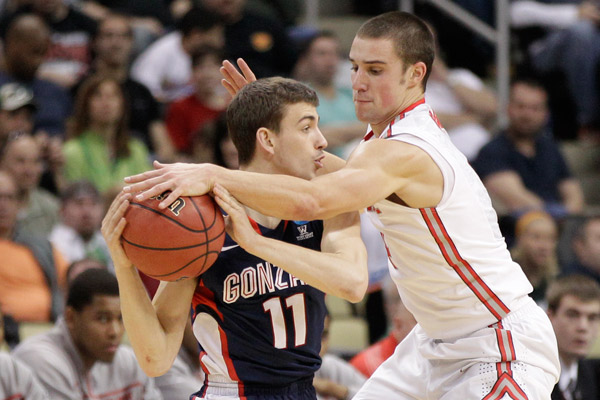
(483, 103)
(535, 13)
(572, 196)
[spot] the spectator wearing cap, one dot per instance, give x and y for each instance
(77, 236)
(17, 110)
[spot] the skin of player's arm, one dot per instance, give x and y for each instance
(340, 268)
(572, 195)
(508, 187)
(155, 329)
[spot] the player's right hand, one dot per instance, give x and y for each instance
(232, 80)
(236, 222)
(112, 227)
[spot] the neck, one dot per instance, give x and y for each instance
(263, 168)
(524, 145)
(567, 360)
(409, 100)
(107, 131)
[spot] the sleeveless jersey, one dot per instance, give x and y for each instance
(450, 262)
(255, 323)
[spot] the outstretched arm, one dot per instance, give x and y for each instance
(232, 80)
(340, 268)
(155, 329)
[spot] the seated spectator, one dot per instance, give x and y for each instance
(112, 47)
(100, 148)
(571, 46)
(586, 244)
(17, 381)
(536, 235)
(77, 267)
(523, 167)
(38, 208)
(165, 67)
(318, 63)
(263, 43)
(26, 43)
(17, 109)
(402, 322)
(78, 236)
(186, 117)
(336, 379)
(81, 357)
(574, 310)
(71, 31)
(224, 152)
(463, 104)
(32, 273)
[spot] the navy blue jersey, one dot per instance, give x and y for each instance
(257, 324)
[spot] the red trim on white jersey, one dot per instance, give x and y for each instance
(400, 116)
(461, 266)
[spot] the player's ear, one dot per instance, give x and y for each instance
(418, 72)
(264, 139)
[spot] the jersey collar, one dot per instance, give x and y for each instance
(388, 130)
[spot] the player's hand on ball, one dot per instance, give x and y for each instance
(232, 80)
(112, 226)
(236, 222)
(180, 178)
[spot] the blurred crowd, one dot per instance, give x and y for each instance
(92, 91)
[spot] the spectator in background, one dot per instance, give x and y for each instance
(261, 42)
(571, 46)
(68, 57)
(574, 310)
(318, 63)
(401, 321)
(38, 208)
(17, 109)
(186, 117)
(100, 148)
(17, 381)
(463, 104)
(26, 43)
(78, 236)
(112, 47)
(523, 166)
(81, 357)
(536, 236)
(336, 379)
(586, 247)
(165, 67)
(32, 273)
(225, 153)
(77, 267)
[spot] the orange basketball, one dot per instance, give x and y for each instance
(181, 241)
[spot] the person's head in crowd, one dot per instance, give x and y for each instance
(226, 155)
(22, 158)
(82, 208)
(318, 59)
(206, 76)
(79, 266)
(200, 27)
(113, 43)
(101, 107)
(93, 315)
(574, 310)
(17, 109)
(536, 237)
(26, 43)
(586, 243)
(527, 109)
(9, 205)
(230, 10)
(49, 8)
(401, 320)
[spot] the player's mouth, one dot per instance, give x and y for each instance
(319, 161)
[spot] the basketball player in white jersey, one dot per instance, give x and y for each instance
(479, 335)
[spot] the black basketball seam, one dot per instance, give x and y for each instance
(205, 232)
(174, 248)
(185, 266)
(172, 219)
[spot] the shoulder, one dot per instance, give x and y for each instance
(41, 349)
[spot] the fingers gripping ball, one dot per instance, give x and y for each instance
(181, 241)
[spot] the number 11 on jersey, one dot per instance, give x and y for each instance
(275, 308)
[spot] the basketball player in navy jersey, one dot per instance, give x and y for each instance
(258, 312)
(478, 334)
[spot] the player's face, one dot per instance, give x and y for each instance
(576, 326)
(97, 330)
(298, 148)
(114, 41)
(379, 81)
(106, 104)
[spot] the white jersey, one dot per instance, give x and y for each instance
(450, 262)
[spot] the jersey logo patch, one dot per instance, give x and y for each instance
(303, 232)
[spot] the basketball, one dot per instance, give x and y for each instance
(181, 241)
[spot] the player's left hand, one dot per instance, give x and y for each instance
(112, 227)
(236, 222)
(181, 179)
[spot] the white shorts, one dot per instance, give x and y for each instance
(516, 358)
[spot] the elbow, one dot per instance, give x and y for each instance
(153, 367)
(354, 291)
(309, 207)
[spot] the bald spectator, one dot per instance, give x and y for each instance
(523, 166)
(26, 43)
(32, 273)
(38, 208)
(586, 247)
(165, 67)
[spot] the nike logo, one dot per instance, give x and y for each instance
(229, 247)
